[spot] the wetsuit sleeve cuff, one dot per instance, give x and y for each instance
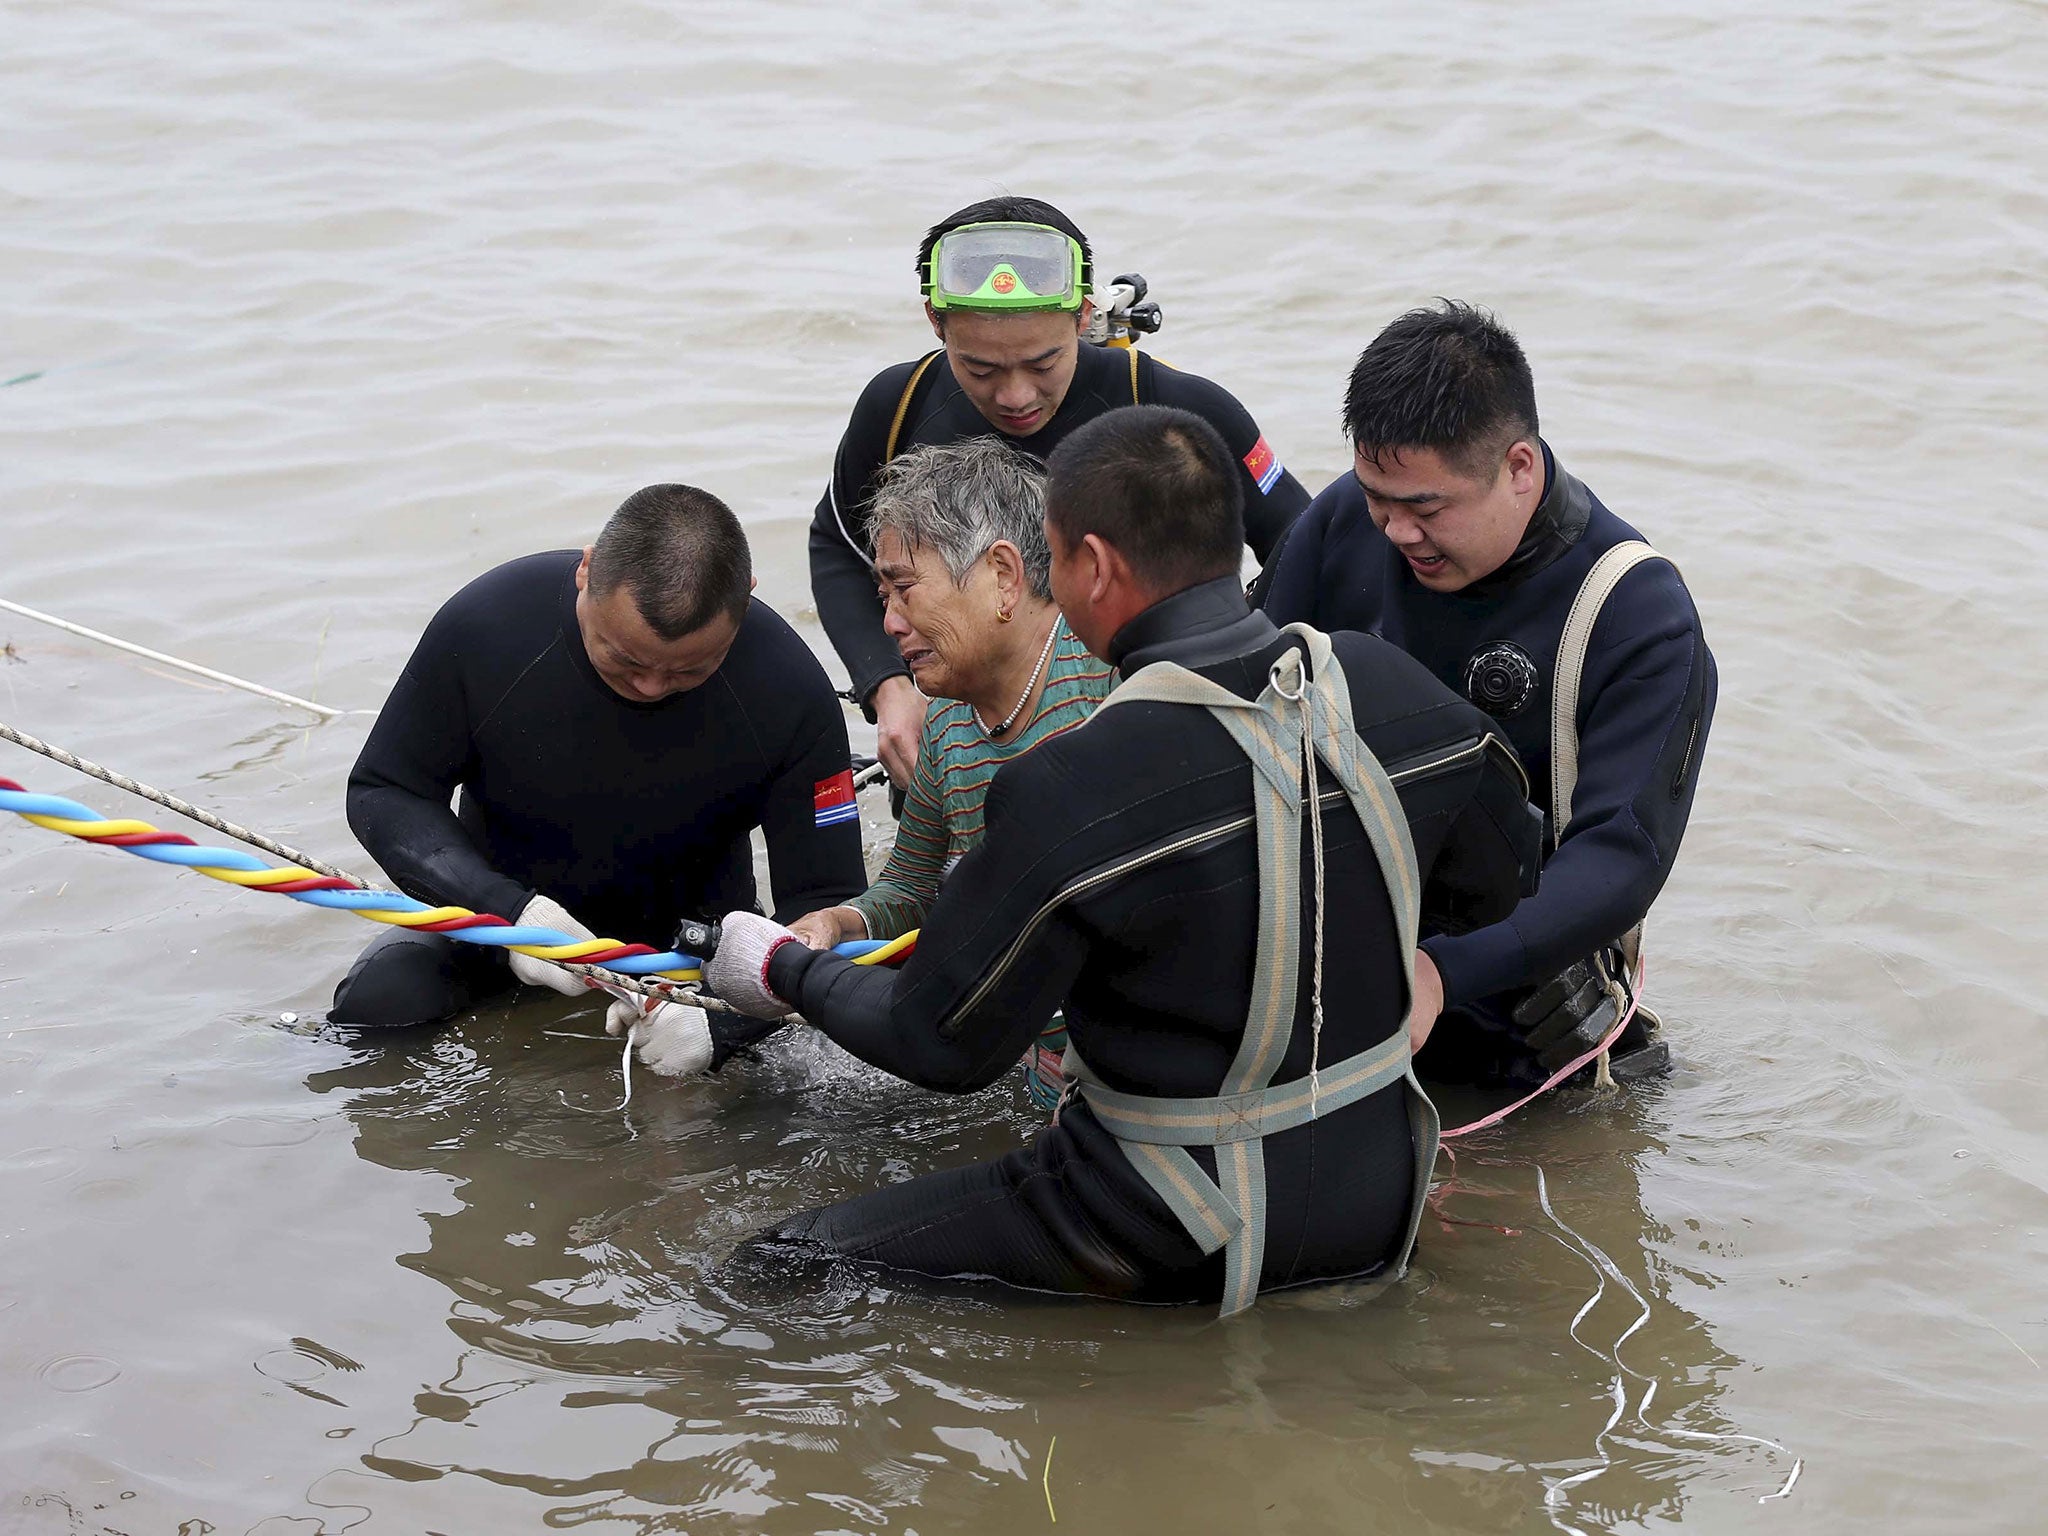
(504, 898)
(787, 968)
(864, 689)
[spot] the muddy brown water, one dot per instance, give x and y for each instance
(309, 314)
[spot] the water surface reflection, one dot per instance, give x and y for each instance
(589, 1257)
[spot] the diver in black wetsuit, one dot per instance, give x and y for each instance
(1011, 361)
(617, 724)
(1140, 870)
(1460, 538)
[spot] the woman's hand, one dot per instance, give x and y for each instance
(899, 725)
(829, 926)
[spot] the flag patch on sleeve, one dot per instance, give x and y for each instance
(834, 799)
(1264, 465)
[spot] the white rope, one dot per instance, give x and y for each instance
(1315, 838)
(625, 1077)
(1605, 1268)
(668, 991)
(325, 711)
(171, 802)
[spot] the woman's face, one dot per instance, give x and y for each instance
(944, 631)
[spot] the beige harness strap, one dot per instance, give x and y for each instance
(1570, 673)
(1594, 591)
(1301, 717)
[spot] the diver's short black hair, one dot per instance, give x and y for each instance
(1448, 377)
(1160, 486)
(681, 553)
(1008, 210)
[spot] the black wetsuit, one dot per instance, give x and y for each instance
(1646, 701)
(1085, 891)
(631, 815)
(842, 577)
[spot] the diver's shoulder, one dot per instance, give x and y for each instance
(528, 586)
(1125, 753)
(773, 675)
(768, 646)
(875, 406)
(890, 382)
(1385, 680)
(1119, 780)
(1094, 757)
(1606, 528)
(1341, 505)
(1338, 527)
(1194, 392)
(1401, 709)
(1397, 705)
(1654, 587)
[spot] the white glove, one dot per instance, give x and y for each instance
(674, 1038)
(546, 912)
(738, 973)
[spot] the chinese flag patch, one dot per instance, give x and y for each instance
(1264, 465)
(834, 799)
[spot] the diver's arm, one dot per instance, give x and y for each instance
(1493, 853)
(400, 789)
(1288, 589)
(1268, 518)
(811, 864)
(1262, 584)
(1651, 681)
(842, 572)
(991, 968)
(1273, 498)
(843, 587)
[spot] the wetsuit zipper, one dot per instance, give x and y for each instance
(1685, 763)
(1487, 743)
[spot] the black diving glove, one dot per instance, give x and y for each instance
(1568, 1016)
(734, 1036)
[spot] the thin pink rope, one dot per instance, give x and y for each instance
(1635, 995)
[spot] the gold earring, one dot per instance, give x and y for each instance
(1002, 615)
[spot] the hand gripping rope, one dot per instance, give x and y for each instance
(620, 969)
(343, 892)
(607, 963)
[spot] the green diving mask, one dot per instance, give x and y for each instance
(1005, 269)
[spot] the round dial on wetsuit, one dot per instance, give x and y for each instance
(1501, 679)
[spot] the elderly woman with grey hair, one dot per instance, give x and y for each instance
(961, 558)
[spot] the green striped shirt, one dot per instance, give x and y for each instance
(942, 808)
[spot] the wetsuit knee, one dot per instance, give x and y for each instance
(404, 978)
(1009, 1219)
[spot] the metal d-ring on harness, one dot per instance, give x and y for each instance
(1302, 715)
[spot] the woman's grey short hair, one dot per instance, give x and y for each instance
(960, 498)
